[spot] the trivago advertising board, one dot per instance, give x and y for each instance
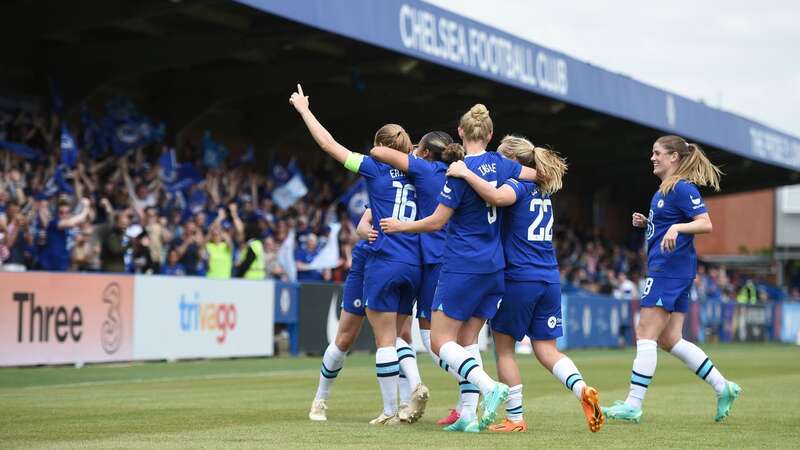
(178, 318)
(48, 318)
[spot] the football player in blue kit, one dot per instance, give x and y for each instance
(532, 301)
(350, 321)
(392, 272)
(427, 167)
(677, 213)
(471, 278)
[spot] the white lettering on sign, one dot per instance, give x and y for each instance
(461, 44)
(775, 147)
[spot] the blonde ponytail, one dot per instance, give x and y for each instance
(694, 165)
(550, 166)
(550, 170)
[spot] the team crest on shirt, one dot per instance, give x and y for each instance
(660, 203)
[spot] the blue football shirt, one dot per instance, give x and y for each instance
(528, 235)
(680, 205)
(428, 178)
(473, 233)
(391, 194)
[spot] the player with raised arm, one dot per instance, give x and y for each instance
(532, 302)
(471, 279)
(427, 167)
(392, 272)
(677, 213)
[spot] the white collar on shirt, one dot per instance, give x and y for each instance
(476, 154)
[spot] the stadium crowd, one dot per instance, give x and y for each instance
(115, 211)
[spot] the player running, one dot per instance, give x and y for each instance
(532, 302)
(392, 271)
(471, 279)
(677, 213)
(427, 168)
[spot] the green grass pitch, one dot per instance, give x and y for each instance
(263, 403)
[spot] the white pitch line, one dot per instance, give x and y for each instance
(219, 376)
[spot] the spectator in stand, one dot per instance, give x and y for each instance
(85, 252)
(141, 195)
(625, 288)
(156, 232)
(251, 263)
(219, 246)
(114, 240)
(55, 255)
(18, 239)
(141, 256)
(189, 248)
(173, 265)
(304, 254)
(271, 265)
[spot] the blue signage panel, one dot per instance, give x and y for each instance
(592, 321)
(433, 34)
(286, 302)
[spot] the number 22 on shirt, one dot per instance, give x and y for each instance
(536, 232)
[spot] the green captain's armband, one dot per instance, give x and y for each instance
(353, 161)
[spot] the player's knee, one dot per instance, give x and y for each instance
(344, 341)
(643, 332)
(503, 352)
(668, 340)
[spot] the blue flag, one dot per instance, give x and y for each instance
(167, 167)
(355, 200)
(130, 135)
(186, 176)
(22, 150)
(61, 180)
(214, 153)
(288, 193)
(57, 183)
(69, 151)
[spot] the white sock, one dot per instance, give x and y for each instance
(514, 403)
(644, 367)
(470, 394)
(457, 357)
(569, 376)
(426, 341)
(388, 370)
(697, 361)
(332, 362)
(475, 352)
(468, 400)
(407, 357)
(404, 388)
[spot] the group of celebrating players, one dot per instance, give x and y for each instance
(467, 233)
